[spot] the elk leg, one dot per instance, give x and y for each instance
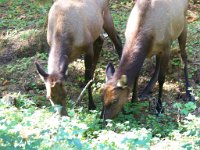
(147, 90)
(97, 46)
(88, 75)
(134, 91)
(110, 30)
(182, 44)
(164, 59)
(63, 110)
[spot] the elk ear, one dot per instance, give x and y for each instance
(41, 72)
(109, 71)
(122, 82)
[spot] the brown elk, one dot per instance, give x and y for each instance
(151, 28)
(74, 28)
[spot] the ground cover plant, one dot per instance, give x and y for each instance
(28, 121)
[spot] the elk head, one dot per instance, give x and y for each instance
(55, 87)
(115, 93)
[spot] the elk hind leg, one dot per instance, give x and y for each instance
(110, 30)
(182, 45)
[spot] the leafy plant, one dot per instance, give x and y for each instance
(186, 108)
(32, 124)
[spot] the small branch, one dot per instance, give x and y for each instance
(52, 103)
(82, 92)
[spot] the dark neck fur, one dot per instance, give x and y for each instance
(57, 61)
(136, 48)
(134, 54)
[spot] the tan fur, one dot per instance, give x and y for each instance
(109, 94)
(69, 20)
(169, 26)
(138, 13)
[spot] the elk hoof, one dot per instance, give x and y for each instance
(188, 97)
(92, 107)
(144, 97)
(159, 110)
(63, 112)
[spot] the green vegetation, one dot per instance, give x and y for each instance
(29, 127)
(27, 121)
(20, 14)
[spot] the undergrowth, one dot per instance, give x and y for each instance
(26, 126)
(25, 123)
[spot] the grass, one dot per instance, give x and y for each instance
(27, 121)
(20, 15)
(27, 126)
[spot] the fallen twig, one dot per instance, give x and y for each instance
(52, 103)
(82, 92)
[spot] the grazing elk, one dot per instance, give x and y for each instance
(151, 28)
(74, 28)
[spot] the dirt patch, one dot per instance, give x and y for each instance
(24, 44)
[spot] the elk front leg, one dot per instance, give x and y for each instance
(97, 47)
(134, 91)
(148, 89)
(164, 59)
(88, 75)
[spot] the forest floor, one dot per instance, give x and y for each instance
(23, 41)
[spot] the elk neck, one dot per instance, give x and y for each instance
(134, 54)
(57, 57)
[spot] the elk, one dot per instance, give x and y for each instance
(74, 28)
(150, 30)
